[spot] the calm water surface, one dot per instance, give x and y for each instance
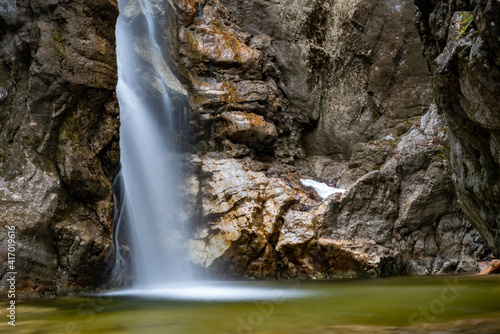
(442, 304)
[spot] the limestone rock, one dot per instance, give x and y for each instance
(255, 226)
(354, 89)
(243, 209)
(349, 258)
(248, 128)
(406, 204)
(375, 76)
(368, 210)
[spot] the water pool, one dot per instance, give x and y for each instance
(439, 304)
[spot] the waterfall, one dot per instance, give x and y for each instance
(150, 184)
(150, 176)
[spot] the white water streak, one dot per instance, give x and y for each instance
(150, 174)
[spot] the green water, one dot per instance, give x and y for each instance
(443, 304)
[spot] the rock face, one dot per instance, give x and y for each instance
(349, 95)
(401, 217)
(329, 67)
(407, 204)
(59, 142)
(462, 46)
(373, 76)
(254, 226)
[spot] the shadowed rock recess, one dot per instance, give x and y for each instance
(276, 91)
(59, 143)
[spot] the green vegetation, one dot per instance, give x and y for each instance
(49, 165)
(59, 43)
(466, 19)
(67, 133)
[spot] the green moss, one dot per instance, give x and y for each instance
(58, 153)
(66, 133)
(301, 153)
(439, 153)
(35, 141)
(59, 44)
(191, 87)
(466, 19)
(49, 165)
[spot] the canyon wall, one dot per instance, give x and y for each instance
(59, 124)
(462, 46)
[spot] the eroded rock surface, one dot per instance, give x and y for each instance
(335, 91)
(255, 226)
(418, 223)
(400, 219)
(373, 76)
(462, 46)
(59, 143)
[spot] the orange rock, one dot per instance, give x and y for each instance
(213, 92)
(249, 128)
(211, 40)
(491, 268)
(187, 10)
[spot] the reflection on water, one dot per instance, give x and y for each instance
(445, 304)
(213, 291)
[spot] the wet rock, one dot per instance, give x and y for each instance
(242, 210)
(326, 72)
(349, 258)
(235, 150)
(365, 158)
(368, 210)
(331, 79)
(210, 41)
(320, 167)
(255, 226)
(491, 268)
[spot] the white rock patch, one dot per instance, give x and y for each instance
(322, 189)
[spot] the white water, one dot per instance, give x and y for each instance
(150, 173)
(150, 178)
(215, 291)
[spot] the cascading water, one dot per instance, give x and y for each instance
(150, 179)
(150, 175)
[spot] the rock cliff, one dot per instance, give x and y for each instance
(59, 142)
(401, 217)
(462, 46)
(335, 91)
